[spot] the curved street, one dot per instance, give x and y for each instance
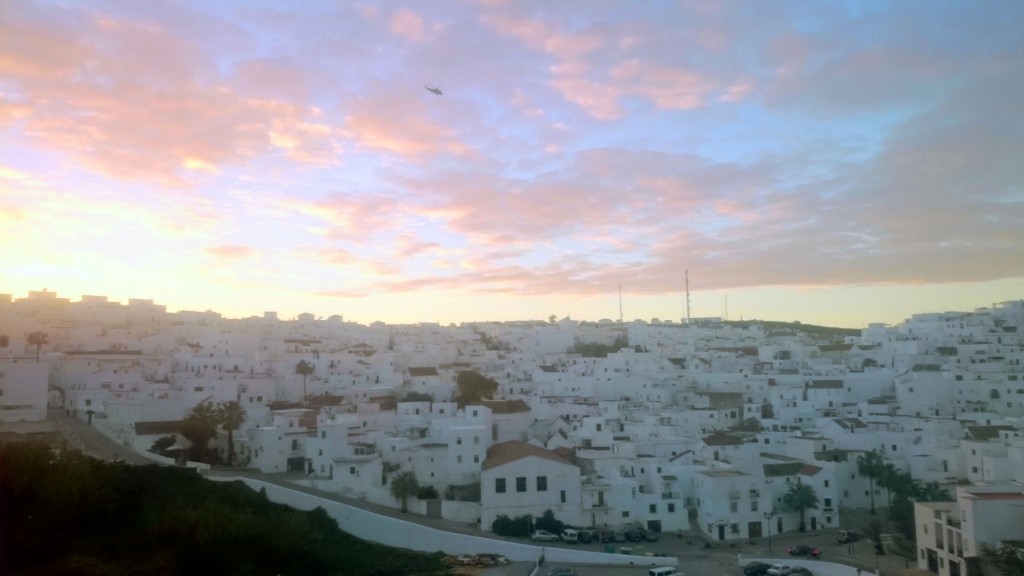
(695, 557)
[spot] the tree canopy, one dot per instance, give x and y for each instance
(38, 339)
(231, 416)
(870, 464)
(473, 387)
(304, 369)
(199, 427)
(403, 486)
(800, 498)
(64, 513)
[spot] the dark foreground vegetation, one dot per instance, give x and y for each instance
(64, 513)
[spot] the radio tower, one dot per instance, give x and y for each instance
(620, 303)
(687, 295)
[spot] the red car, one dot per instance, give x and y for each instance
(800, 550)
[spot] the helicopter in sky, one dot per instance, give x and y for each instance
(435, 89)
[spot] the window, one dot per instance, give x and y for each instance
(458, 459)
(499, 485)
(653, 508)
(561, 496)
(826, 483)
(734, 507)
(542, 483)
(521, 484)
(753, 505)
(625, 513)
(671, 507)
(476, 459)
(476, 440)
(828, 502)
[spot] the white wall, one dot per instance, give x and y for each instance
(401, 534)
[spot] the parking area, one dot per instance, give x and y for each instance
(698, 558)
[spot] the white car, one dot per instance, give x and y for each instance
(779, 569)
(543, 536)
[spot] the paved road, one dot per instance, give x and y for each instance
(92, 442)
(695, 559)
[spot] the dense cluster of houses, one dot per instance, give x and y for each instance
(699, 426)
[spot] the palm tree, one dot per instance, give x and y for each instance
(933, 492)
(870, 464)
(231, 416)
(199, 427)
(403, 486)
(800, 498)
(306, 369)
(890, 479)
(38, 339)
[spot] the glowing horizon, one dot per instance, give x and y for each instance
(836, 164)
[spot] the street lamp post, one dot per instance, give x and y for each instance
(768, 520)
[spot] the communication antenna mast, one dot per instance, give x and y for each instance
(725, 314)
(687, 295)
(620, 303)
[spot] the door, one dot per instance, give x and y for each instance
(754, 529)
(814, 523)
(434, 508)
(721, 532)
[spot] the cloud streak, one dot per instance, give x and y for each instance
(573, 150)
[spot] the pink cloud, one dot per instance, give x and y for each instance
(133, 101)
(231, 251)
(407, 24)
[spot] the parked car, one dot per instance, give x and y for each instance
(633, 535)
(844, 536)
(570, 536)
(800, 571)
(585, 537)
(543, 536)
(756, 569)
(603, 536)
(801, 550)
(618, 536)
(779, 570)
(651, 536)
(562, 572)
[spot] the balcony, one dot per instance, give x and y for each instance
(670, 495)
(734, 495)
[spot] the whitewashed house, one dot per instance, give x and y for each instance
(519, 479)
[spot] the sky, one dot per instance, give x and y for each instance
(837, 163)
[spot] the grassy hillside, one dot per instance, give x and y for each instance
(63, 513)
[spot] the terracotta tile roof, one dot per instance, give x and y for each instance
(783, 469)
(810, 470)
(985, 432)
(423, 371)
(506, 406)
(723, 440)
(506, 452)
